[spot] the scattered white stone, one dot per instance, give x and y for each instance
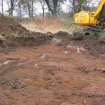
(78, 50)
(82, 49)
(68, 103)
(6, 62)
(44, 56)
(36, 65)
(66, 52)
(69, 46)
(55, 40)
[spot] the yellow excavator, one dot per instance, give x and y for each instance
(92, 21)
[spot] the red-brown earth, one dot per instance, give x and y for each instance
(60, 72)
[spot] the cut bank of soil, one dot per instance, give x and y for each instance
(13, 34)
(8, 26)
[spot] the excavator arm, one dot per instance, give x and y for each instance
(99, 8)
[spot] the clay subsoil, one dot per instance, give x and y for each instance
(47, 69)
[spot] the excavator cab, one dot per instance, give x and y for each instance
(91, 18)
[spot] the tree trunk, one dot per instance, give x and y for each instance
(19, 10)
(32, 12)
(52, 9)
(11, 8)
(29, 12)
(76, 5)
(55, 3)
(49, 7)
(2, 7)
(30, 8)
(43, 7)
(43, 11)
(73, 3)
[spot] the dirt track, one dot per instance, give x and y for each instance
(62, 71)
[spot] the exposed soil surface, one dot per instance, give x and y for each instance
(47, 69)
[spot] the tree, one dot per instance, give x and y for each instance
(42, 2)
(77, 4)
(30, 7)
(19, 10)
(11, 5)
(28, 4)
(52, 6)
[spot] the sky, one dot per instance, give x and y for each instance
(38, 9)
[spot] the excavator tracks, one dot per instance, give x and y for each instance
(81, 31)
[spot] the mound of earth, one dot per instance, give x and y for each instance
(95, 44)
(8, 25)
(12, 33)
